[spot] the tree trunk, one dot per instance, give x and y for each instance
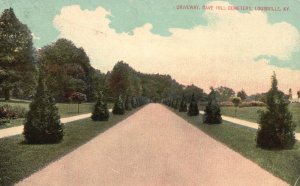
(235, 111)
(6, 94)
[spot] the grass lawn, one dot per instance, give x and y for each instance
(251, 113)
(65, 110)
(19, 160)
(284, 164)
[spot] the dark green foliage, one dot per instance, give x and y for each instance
(183, 105)
(224, 93)
(198, 93)
(78, 97)
(43, 122)
(176, 104)
(134, 103)
(128, 105)
(193, 107)
(16, 54)
(100, 112)
(212, 111)
(124, 79)
(119, 107)
(242, 94)
(68, 70)
(276, 128)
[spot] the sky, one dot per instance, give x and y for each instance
(238, 49)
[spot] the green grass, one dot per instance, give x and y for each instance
(65, 110)
(284, 164)
(251, 113)
(19, 160)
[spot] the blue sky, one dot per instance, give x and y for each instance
(127, 15)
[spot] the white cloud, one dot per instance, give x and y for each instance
(222, 53)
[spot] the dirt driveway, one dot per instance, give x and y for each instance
(153, 147)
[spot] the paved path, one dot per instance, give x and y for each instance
(18, 130)
(245, 123)
(154, 146)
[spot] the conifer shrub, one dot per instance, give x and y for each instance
(128, 105)
(100, 112)
(134, 103)
(276, 128)
(212, 111)
(119, 108)
(176, 104)
(182, 105)
(193, 107)
(43, 124)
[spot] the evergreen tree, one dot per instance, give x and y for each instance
(119, 107)
(43, 122)
(276, 128)
(128, 105)
(212, 112)
(193, 107)
(183, 105)
(134, 103)
(101, 112)
(176, 104)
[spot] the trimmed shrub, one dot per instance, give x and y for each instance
(236, 102)
(276, 128)
(193, 107)
(100, 112)
(134, 103)
(43, 122)
(119, 107)
(78, 97)
(128, 105)
(182, 105)
(212, 111)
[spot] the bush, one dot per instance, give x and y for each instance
(276, 128)
(193, 107)
(7, 112)
(20, 111)
(43, 122)
(182, 105)
(175, 104)
(134, 103)
(244, 104)
(212, 110)
(118, 108)
(253, 104)
(100, 112)
(128, 105)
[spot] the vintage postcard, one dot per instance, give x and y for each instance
(149, 92)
